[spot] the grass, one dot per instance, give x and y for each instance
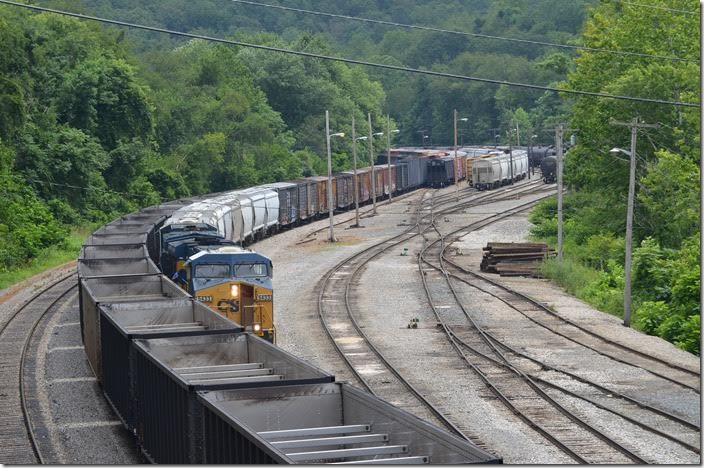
(585, 283)
(49, 258)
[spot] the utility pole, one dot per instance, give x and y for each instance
(634, 125)
(495, 135)
(331, 206)
(371, 160)
(356, 180)
(457, 187)
(559, 132)
(510, 154)
(388, 151)
(558, 145)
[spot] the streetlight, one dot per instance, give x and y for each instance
(356, 180)
(457, 187)
(371, 160)
(388, 150)
(330, 201)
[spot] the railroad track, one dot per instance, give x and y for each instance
(373, 371)
(18, 438)
(545, 317)
(517, 391)
(516, 384)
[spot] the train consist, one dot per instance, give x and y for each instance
(201, 243)
(194, 385)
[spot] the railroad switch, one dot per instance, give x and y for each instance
(413, 323)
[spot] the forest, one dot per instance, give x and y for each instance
(97, 121)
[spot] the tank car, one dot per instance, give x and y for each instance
(548, 166)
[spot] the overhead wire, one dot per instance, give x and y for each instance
(350, 61)
(659, 7)
(462, 33)
(87, 189)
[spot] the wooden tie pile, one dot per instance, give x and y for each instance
(515, 259)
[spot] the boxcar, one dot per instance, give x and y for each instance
(345, 190)
(441, 172)
(288, 202)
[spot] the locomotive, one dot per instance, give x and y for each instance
(231, 280)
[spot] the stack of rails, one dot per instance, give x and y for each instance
(515, 259)
(192, 387)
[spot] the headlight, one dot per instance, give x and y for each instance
(257, 327)
(235, 290)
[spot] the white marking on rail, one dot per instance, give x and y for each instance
(64, 348)
(86, 424)
(72, 379)
(67, 324)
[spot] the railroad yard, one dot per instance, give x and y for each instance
(400, 308)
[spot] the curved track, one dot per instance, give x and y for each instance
(519, 390)
(18, 440)
(373, 371)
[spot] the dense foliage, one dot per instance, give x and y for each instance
(415, 102)
(666, 227)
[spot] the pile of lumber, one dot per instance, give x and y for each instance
(515, 259)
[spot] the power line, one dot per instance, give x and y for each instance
(463, 33)
(658, 7)
(352, 61)
(88, 189)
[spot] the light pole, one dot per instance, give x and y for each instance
(356, 183)
(457, 187)
(510, 153)
(423, 136)
(531, 158)
(356, 180)
(371, 161)
(634, 126)
(388, 150)
(330, 201)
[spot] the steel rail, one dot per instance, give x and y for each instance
(623, 450)
(572, 375)
(581, 327)
(387, 244)
(33, 440)
(571, 393)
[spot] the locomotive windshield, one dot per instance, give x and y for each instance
(212, 271)
(250, 270)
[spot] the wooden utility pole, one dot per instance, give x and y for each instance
(634, 125)
(559, 132)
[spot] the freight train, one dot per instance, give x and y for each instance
(173, 307)
(191, 384)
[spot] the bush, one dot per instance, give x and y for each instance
(650, 315)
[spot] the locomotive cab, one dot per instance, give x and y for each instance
(236, 283)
